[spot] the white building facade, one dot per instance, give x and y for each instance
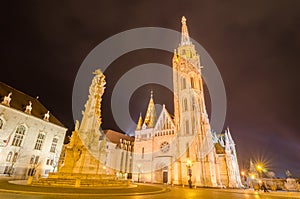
(31, 138)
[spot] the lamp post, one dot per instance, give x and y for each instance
(139, 171)
(243, 177)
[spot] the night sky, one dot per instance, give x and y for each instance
(255, 44)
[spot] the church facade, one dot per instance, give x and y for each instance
(182, 148)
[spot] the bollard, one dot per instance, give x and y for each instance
(29, 180)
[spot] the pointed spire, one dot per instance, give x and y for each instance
(150, 118)
(226, 138)
(140, 123)
(185, 38)
(229, 136)
(221, 141)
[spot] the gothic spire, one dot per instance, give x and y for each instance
(150, 118)
(185, 38)
(229, 136)
(140, 123)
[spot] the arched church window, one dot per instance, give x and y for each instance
(187, 128)
(187, 150)
(143, 151)
(183, 83)
(185, 105)
(19, 136)
(192, 83)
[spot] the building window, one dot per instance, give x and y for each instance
(31, 172)
(193, 103)
(19, 136)
(8, 158)
(187, 129)
(39, 141)
(187, 150)
(7, 169)
(32, 159)
(1, 123)
(192, 83)
(183, 86)
(36, 159)
(15, 157)
(53, 145)
(143, 152)
(185, 105)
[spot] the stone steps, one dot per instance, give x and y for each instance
(83, 182)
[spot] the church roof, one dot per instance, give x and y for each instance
(114, 136)
(219, 148)
(20, 100)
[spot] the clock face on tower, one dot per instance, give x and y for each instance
(164, 147)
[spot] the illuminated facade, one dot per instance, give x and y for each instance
(30, 137)
(181, 148)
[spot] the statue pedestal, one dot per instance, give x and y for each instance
(81, 180)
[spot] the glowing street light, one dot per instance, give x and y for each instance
(259, 167)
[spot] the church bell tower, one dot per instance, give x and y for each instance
(191, 119)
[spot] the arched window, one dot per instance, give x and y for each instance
(187, 129)
(32, 159)
(37, 158)
(8, 158)
(192, 83)
(15, 157)
(39, 141)
(19, 136)
(1, 123)
(185, 105)
(53, 145)
(183, 83)
(187, 150)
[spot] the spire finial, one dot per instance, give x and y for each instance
(140, 122)
(151, 95)
(185, 38)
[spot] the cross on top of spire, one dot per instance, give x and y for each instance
(185, 38)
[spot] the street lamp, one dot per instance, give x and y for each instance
(139, 171)
(259, 168)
